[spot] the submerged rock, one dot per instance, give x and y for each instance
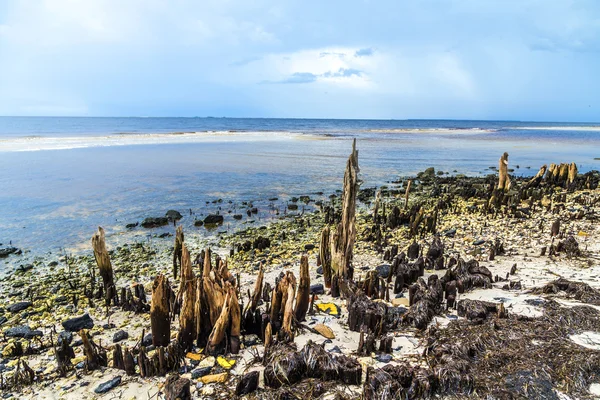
(5, 252)
(151, 222)
(213, 219)
(173, 215)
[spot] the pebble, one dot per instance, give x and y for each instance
(200, 372)
(108, 385)
(317, 289)
(78, 323)
(384, 358)
(120, 335)
(383, 270)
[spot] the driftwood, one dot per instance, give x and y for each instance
(303, 297)
(159, 312)
(104, 266)
(342, 239)
(177, 249)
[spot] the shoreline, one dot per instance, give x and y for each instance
(522, 234)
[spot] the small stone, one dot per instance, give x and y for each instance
(173, 215)
(108, 385)
(384, 358)
(478, 242)
(309, 247)
(200, 372)
(317, 289)
(383, 270)
(213, 219)
(147, 341)
(120, 335)
(320, 270)
(324, 331)
(18, 331)
(20, 306)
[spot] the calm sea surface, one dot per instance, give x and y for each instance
(62, 177)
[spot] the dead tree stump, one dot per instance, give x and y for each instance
(177, 249)
(159, 312)
(104, 265)
(303, 297)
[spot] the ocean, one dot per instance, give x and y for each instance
(62, 177)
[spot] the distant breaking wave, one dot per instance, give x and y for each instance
(438, 131)
(558, 128)
(41, 143)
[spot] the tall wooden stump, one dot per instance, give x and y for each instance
(303, 297)
(159, 312)
(503, 179)
(104, 265)
(342, 240)
(325, 256)
(187, 322)
(177, 250)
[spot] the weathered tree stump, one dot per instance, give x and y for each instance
(303, 297)
(95, 356)
(187, 321)
(160, 320)
(325, 256)
(104, 266)
(177, 249)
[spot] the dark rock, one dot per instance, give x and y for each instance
(320, 270)
(3, 320)
(120, 335)
(5, 252)
(165, 234)
(478, 242)
(292, 207)
(173, 215)
(20, 331)
(309, 247)
(200, 372)
(132, 225)
(32, 334)
(61, 300)
(109, 326)
(198, 222)
(248, 383)
(177, 388)
(24, 268)
(384, 358)
(237, 216)
(78, 323)
(155, 222)
(20, 306)
(65, 336)
(108, 385)
(383, 270)
(147, 341)
(317, 289)
(213, 219)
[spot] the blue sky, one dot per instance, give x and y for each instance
(462, 59)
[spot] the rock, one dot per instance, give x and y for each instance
(324, 331)
(317, 289)
(20, 331)
(61, 300)
(108, 385)
(309, 247)
(292, 207)
(384, 358)
(216, 378)
(3, 320)
(177, 388)
(24, 268)
(237, 216)
(320, 270)
(155, 222)
(207, 362)
(20, 306)
(78, 323)
(120, 335)
(5, 252)
(65, 336)
(213, 219)
(478, 242)
(198, 222)
(383, 270)
(200, 372)
(450, 232)
(173, 215)
(250, 340)
(132, 225)
(147, 341)
(248, 383)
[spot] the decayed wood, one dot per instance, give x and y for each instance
(159, 312)
(257, 288)
(325, 256)
(406, 194)
(503, 179)
(342, 239)
(268, 337)
(187, 322)
(177, 250)
(117, 361)
(95, 356)
(64, 354)
(198, 309)
(572, 173)
(128, 362)
(104, 265)
(303, 297)
(218, 333)
(376, 209)
(288, 314)
(235, 321)
(537, 179)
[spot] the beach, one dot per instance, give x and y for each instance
(441, 273)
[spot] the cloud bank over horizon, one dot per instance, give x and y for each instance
(460, 59)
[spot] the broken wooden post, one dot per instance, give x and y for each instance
(325, 256)
(503, 179)
(235, 321)
(187, 322)
(406, 194)
(159, 312)
(177, 250)
(376, 210)
(288, 314)
(218, 333)
(342, 239)
(303, 297)
(104, 265)
(95, 356)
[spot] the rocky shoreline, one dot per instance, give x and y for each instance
(458, 286)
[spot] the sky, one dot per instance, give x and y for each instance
(458, 59)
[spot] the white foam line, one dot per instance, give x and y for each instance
(558, 128)
(127, 139)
